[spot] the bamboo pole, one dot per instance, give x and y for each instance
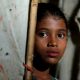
(30, 45)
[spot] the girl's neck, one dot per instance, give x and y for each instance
(40, 64)
(41, 69)
(41, 75)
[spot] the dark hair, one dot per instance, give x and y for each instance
(46, 9)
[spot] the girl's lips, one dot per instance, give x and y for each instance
(53, 53)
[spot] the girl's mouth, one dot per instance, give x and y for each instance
(53, 54)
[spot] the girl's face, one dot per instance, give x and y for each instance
(51, 39)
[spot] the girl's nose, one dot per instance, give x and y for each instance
(52, 42)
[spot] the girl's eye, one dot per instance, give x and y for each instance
(43, 34)
(61, 35)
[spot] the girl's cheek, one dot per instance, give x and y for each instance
(63, 44)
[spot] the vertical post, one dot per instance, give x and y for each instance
(30, 45)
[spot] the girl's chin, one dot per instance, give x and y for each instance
(53, 61)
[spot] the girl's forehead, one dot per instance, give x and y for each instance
(52, 20)
(48, 17)
(51, 24)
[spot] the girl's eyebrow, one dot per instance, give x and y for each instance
(42, 29)
(63, 30)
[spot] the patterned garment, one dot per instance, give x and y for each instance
(33, 78)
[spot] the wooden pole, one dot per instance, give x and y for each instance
(30, 45)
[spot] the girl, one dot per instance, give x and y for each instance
(50, 40)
